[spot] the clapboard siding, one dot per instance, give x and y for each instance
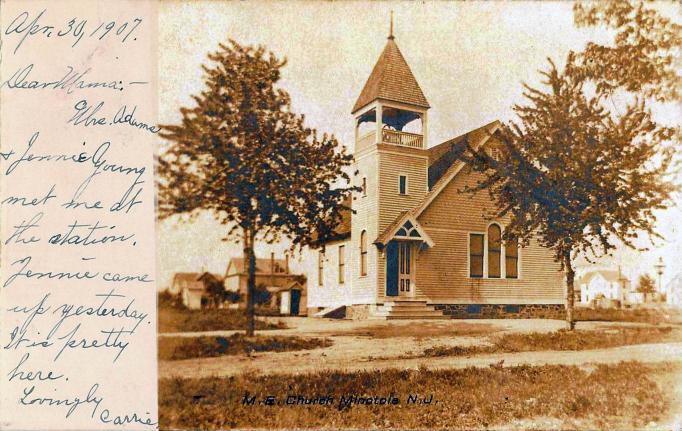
(365, 217)
(396, 161)
(392, 164)
(442, 272)
(330, 293)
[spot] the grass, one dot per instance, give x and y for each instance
(641, 315)
(178, 319)
(423, 330)
(606, 397)
(561, 340)
(176, 348)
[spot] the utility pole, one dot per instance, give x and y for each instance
(660, 266)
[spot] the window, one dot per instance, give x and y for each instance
(496, 154)
(490, 256)
(511, 258)
(494, 250)
(320, 268)
(363, 253)
(342, 264)
(364, 186)
(476, 255)
(402, 184)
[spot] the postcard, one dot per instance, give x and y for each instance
(340, 215)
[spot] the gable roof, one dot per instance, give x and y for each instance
(263, 266)
(391, 79)
(442, 156)
(193, 280)
(612, 276)
(404, 227)
(209, 276)
(186, 277)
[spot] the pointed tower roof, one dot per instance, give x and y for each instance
(391, 79)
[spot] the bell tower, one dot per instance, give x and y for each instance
(391, 118)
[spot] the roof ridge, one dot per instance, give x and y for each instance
(449, 174)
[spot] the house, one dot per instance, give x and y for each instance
(604, 284)
(180, 281)
(272, 274)
(415, 245)
(195, 288)
(673, 291)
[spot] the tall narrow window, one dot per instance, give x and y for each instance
(320, 268)
(511, 258)
(363, 253)
(364, 186)
(476, 255)
(342, 264)
(496, 154)
(494, 250)
(402, 184)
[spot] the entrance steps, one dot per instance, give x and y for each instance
(335, 312)
(406, 309)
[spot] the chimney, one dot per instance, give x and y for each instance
(286, 263)
(272, 268)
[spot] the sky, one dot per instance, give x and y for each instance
(469, 58)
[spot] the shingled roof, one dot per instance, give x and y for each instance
(443, 156)
(391, 79)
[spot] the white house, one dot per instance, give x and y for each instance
(192, 287)
(673, 291)
(609, 284)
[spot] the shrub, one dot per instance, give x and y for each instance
(560, 340)
(176, 348)
(184, 320)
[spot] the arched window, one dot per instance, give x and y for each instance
(494, 250)
(511, 258)
(363, 253)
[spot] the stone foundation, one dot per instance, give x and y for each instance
(503, 311)
(358, 312)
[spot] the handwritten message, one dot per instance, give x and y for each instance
(77, 282)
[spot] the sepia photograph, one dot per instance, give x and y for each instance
(419, 215)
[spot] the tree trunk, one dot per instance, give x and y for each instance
(570, 291)
(250, 257)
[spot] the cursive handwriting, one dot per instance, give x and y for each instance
(87, 115)
(24, 25)
(70, 82)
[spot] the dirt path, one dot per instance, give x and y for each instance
(419, 328)
(367, 345)
(323, 359)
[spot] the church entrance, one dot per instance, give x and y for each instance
(400, 268)
(405, 266)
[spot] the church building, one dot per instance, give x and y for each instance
(416, 245)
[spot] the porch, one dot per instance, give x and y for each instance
(392, 137)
